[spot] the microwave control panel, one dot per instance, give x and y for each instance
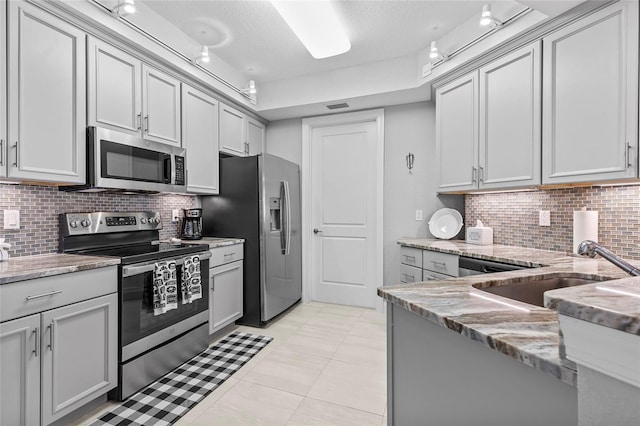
(179, 171)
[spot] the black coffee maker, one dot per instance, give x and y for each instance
(191, 224)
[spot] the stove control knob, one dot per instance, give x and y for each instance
(156, 220)
(143, 220)
(85, 223)
(73, 224)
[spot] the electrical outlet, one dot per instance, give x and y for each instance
(418, 214)
(175, 215)
(12, 219)
(544, 218)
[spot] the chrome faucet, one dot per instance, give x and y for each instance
(591, 248)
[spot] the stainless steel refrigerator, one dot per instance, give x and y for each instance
(260, 201)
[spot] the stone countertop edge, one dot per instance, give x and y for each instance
(45, 265)
(529, 337)
(613, 304)
(214, 242)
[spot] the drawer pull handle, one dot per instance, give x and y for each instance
(406, 256)
(440, 264)
(409, 277)
(37, 296)
(229, 255)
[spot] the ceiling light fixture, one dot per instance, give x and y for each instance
(487, 17)
(124, 8)
(316, 25)
(250, 89)
(434, 52)
(203, 56)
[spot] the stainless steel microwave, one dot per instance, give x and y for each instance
(122, 162)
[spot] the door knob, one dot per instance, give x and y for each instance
(317, 231)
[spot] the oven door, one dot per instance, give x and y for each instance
(142, 330)
(123, 161)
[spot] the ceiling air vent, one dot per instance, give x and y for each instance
(338, 106)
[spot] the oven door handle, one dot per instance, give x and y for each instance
(141, 268)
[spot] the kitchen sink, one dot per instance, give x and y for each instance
(532, 291)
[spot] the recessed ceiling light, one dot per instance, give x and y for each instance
(316, 25)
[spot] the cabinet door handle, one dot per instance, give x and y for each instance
(481, 174)
(474, 173)
(146, 124)
(628, 154)
(37, 296)
(50, 328)
(36, 331)
(213, 284)
(17, 163)
(139, 121)
(1, 152)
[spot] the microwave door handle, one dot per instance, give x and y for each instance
(167, 169)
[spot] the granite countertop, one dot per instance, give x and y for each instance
(45, 265)
(527, 333)
(215, 241)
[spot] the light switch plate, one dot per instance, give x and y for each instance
(175, 215)
(12, 219)
(544, 218)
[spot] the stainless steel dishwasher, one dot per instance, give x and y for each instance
(469, 266)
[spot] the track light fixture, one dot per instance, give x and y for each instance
(434, 52)
(203, 56)
(250, 89)
(487, 18)
(124, 8)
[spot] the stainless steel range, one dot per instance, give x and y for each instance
(151, 343)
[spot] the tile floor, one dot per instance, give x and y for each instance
(326, 365)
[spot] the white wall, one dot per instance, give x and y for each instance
(408, 128)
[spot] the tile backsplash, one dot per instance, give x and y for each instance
(514, 217)
(40, 205)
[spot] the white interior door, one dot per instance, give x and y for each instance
(345, 191)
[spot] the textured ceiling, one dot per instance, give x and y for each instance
(251, 36)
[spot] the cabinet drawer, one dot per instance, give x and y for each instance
(411, 256)
(32, 296)
(443, 263)
(434, 276)
(410, 274)
(226, 254)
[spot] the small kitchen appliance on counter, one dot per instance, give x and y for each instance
(192, 224)
(479, 234)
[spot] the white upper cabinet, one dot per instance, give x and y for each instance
(590, 91)
(3, 95)
(255, 136)
(240, 135)
(510, 110)
(115, 90)
(160, 106)
(47, 97)
(233, 130)
(129, 96)
(457, 134)
(200, 138)
(488, 125)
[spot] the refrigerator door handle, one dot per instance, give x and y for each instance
(286, 229)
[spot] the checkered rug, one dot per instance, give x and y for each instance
(166, 400)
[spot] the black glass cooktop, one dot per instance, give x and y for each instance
(147, 252)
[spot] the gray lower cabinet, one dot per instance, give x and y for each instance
(58, 344)
(226, 286)
(20, 371)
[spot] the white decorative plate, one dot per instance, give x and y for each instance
(445, 223)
